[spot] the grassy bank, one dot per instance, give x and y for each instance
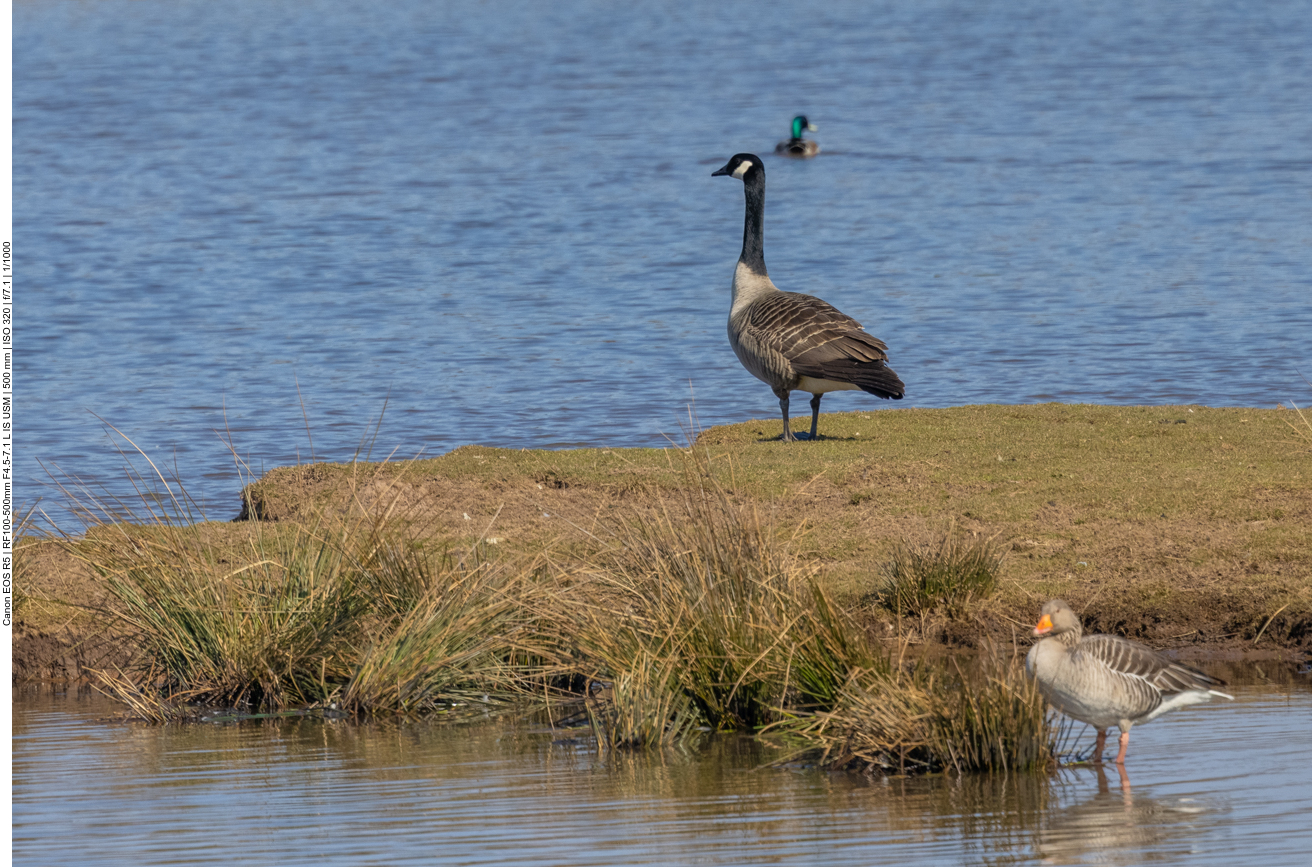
(1179, 525)
(659, 625)
(750, 584)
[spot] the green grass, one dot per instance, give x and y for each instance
(1093, 500)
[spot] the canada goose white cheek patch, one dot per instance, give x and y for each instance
(742, 169)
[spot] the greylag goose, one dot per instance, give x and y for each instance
(1106, 680)
(792, 341)
(798, 146)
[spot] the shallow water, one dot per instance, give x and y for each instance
(499, 216)
(1225, 784)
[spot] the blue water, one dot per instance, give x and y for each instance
(498, 220)
(1220, 784)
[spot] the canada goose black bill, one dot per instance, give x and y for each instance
(1106, 680)
(796, 146)
(792, 341)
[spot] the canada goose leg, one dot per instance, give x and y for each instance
(1100, 746)
(815, 413)
(783, 407)
(1125, 746)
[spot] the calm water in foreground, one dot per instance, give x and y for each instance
(502, 215)
(1223, 784)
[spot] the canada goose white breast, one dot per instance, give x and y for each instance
(748, 285)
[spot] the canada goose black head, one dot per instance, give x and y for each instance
(744, 167)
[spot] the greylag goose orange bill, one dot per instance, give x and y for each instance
(790, 341)
(1106, 680)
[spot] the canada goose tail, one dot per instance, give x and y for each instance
(882, 382)
(874, 377)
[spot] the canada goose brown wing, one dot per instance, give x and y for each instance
(1134, 661)
(805, 328)
(824, 343)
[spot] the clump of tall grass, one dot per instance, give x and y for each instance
(943, 576)
(351, 610)
(274, 631)
(995, 719)
(701, 615)
(644, 706)
(328, 617)
(466, 636)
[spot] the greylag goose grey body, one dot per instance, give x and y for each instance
(796, 146)
(792, 341)
(1106, 680)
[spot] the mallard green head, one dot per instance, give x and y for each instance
(801, 124)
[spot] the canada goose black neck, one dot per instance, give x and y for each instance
(748, 169)
(753, 255)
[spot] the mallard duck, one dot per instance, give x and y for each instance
(798, 146)
(1106, 680)
(792, 341)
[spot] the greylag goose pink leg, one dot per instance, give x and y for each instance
(1125, 747)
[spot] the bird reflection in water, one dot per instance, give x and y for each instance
(1118, 827)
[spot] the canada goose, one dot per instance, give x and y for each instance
(1106, 680)
(792, 341)
(798, 146)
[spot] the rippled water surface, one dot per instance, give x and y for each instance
(499, 216)
(1221, 784)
